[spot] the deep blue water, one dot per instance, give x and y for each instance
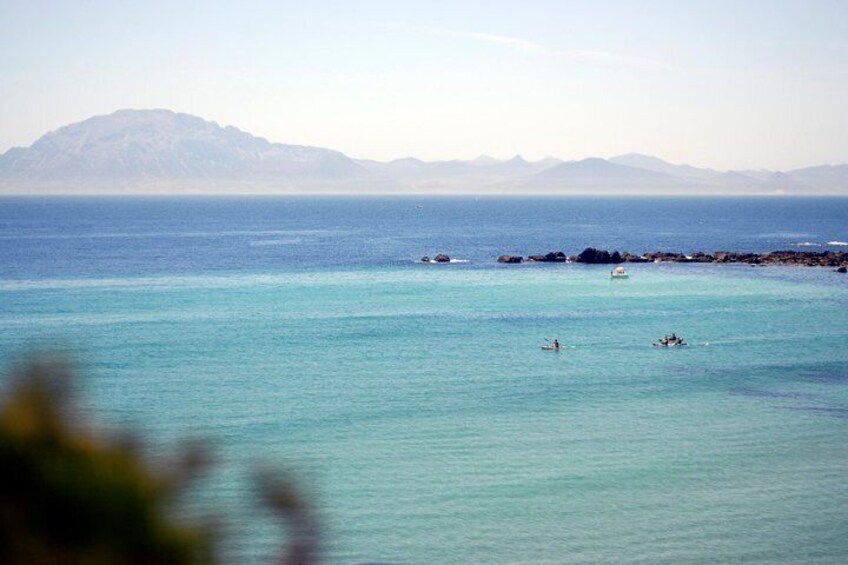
(137, 236)
(414, 403)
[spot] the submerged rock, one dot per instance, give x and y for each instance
(441, 258)
(510, 259)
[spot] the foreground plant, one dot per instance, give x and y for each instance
(73, 496)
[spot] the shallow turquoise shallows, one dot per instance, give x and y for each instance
(417, 407)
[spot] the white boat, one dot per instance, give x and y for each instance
(619, 273)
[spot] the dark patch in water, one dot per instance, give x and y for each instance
(839, 412)
(826, 378)
(766, 393)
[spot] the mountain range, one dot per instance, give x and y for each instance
(160, 151)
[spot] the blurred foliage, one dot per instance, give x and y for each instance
(72, 496)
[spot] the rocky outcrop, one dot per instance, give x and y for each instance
(552, 257)
(660, 256)
(598, 256)
(796, 258)
(440, 258)
(812, 259)
(701, 257)
(628, 258)
(730, 257)
(591, 255)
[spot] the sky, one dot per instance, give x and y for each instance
(727, 85)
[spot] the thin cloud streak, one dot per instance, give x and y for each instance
(605, 58)
(514, 42)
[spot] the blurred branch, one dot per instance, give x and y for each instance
(287, 503)
(72, 496)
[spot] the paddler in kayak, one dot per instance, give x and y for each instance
(552, 345)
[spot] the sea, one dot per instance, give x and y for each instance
(412, 405)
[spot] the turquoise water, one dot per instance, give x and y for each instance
(416, 405)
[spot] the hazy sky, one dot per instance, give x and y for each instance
(720, 84)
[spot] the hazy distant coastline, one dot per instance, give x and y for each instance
(163, 152)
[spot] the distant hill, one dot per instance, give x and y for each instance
(149, 148)
(658, 165)
(483, 168)
(824, 177)
(605, 176)
(146, 151)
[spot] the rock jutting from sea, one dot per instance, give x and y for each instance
(440, 258)
(590, 255)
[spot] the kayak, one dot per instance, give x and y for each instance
(550, 348)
